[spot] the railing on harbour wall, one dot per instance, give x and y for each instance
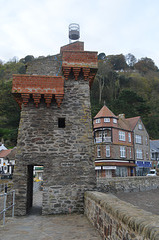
(3, 187)
(7, 201)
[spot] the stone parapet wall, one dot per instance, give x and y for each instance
(127, 184)
(116, 219)
(65, 199)
(51, 65)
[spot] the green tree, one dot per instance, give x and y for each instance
(144, 65)
(101, 56)
(130, 60)
(131, 104)
(116, 62)
(9, 114)
(28, 58)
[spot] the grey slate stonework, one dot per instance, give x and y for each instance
(65, 153)
(145, 145)
(50, 65)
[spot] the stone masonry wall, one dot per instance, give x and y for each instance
(65, 153)
(144, 146)
(127, 184)
(116, 219)
(50, 65)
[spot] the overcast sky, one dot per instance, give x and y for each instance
(40, 27)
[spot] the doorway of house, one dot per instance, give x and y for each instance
(34, 189)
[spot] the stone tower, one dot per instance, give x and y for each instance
(55, 130)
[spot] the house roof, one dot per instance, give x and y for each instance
(123, 124)
(154, 145)
(105, 112)
(132, 122)
(5, 153)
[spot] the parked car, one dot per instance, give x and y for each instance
(152, 173)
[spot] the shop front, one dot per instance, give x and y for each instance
(114, 169)
(143, 167)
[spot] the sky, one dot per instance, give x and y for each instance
(40, 27)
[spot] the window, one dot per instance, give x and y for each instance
(106, 119)
(140, 126)
(129, 137)
(146, 140)
(138, 139)
(121, 172)
(61, 122)
(104, 134)
(153, 155)
(98, 120)
(130, 153)
(122, 152)
(114, 120)
(139, 154)
(98, 151)
(107, 151)
(121, 136)
(100, 134)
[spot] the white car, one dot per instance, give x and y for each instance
(152, 173)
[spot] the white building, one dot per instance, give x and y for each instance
(7, 161)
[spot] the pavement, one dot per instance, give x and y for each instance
(67, 227)
(148, 200)
(51, 227)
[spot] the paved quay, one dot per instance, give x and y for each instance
(148, 200)
(50, 227)
(61, 227)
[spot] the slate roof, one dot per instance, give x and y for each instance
(2, 147)
(154, 145)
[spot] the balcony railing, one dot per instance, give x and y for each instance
(105, 139)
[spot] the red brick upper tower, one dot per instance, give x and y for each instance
(75, 61)
(36, 85)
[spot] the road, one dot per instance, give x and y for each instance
(148, 200)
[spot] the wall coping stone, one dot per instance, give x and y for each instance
(137, 220)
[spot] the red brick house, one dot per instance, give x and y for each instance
(113, 139)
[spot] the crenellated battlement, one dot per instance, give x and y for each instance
(37, 87)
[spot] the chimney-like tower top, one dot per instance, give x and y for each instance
(74, 31)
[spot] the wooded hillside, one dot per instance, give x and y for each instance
(128, 86)
(123, 83)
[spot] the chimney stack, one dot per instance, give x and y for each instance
(121, 116)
